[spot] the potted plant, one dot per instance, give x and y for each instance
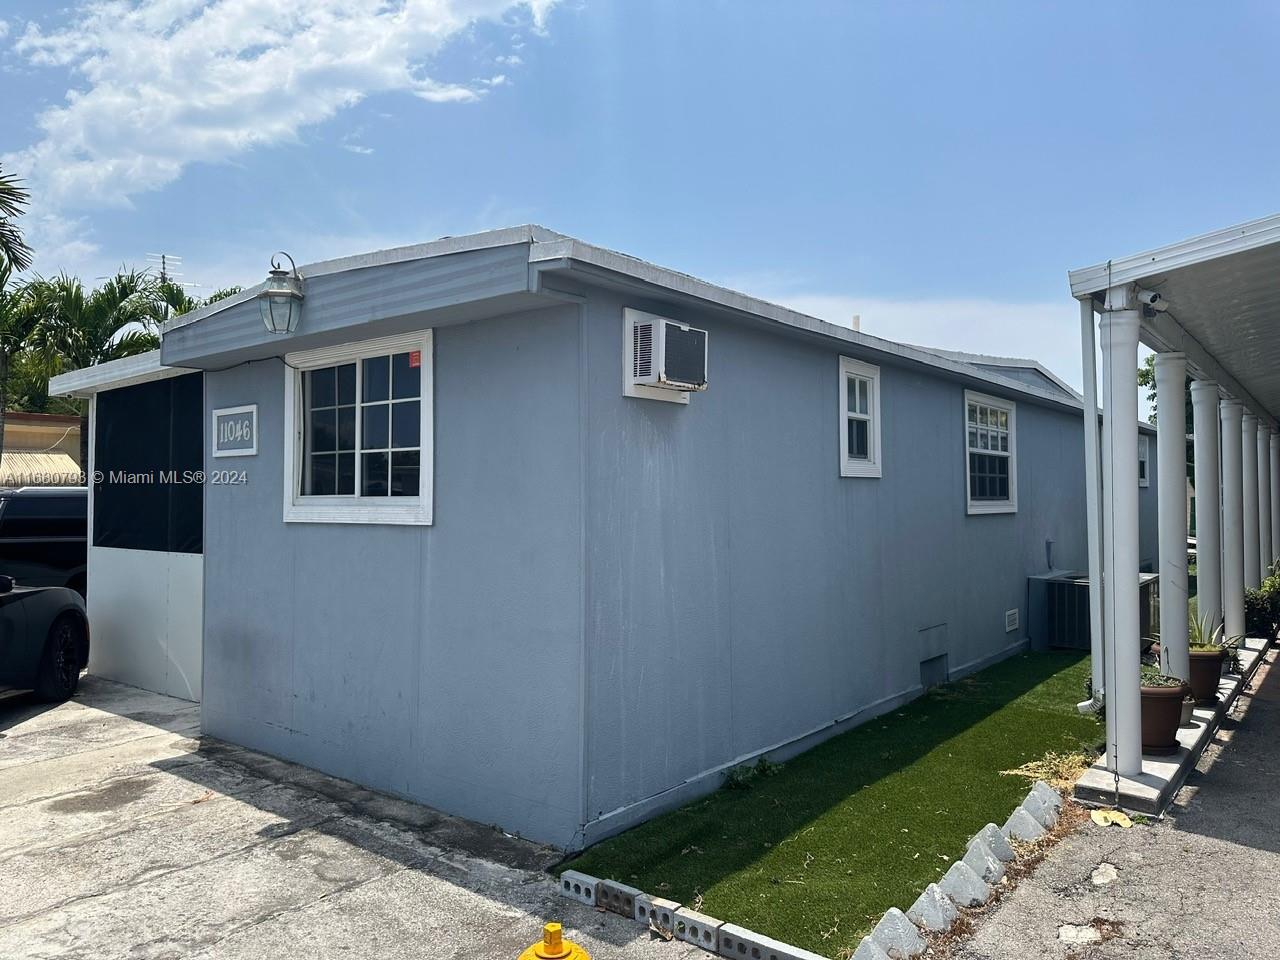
(1161, 711)
(1207, 649)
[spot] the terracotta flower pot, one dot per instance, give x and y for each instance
(1161, 717)
(1206, 671)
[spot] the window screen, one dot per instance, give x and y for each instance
(146, 438)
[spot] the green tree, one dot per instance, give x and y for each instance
(15, 325)
(71, 328)
(13, 201)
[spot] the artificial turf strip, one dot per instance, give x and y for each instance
(815, 853)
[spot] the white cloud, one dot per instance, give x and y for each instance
(4, 29)
(162, 84)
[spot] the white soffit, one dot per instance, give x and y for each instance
(1223, 295)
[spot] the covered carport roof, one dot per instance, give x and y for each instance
(1222, 297)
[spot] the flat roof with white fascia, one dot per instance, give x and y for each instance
(125, 372)
(550, 252)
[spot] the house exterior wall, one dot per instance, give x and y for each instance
(744, 596)
(439, 663)
(617, 597)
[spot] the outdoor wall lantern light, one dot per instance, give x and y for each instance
(281, 299)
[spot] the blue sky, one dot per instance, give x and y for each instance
(933, 167)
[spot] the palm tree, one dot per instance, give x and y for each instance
(15, 324)
(71, 328)
(13, 199)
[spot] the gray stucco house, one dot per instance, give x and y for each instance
(477, 558)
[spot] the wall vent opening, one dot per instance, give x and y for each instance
(934, 671)
(1010, 620)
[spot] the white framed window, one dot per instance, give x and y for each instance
(859, 419)
(991, 454)
(358, 432)
(1144, 460)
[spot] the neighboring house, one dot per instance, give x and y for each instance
(454, 550)
(40, 450)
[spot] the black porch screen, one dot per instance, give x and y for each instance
(149, 441)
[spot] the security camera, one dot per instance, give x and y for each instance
(1148, 298)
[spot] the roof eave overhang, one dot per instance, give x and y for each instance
(566, 255)
(125, 372)
(1087, 281)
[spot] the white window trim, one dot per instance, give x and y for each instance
(871, 466)
(1144, 456)
(355, 509)
(980, 507)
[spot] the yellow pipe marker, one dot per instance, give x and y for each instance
(554, 946)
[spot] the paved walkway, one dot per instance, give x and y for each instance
(1203, 884)
(122, 837)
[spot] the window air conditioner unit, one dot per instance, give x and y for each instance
(667, 354)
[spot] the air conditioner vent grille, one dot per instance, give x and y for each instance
(642, 350)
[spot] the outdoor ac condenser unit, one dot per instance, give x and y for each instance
(667, 354)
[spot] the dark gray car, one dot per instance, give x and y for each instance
(44, 639)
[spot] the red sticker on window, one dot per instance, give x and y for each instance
(415, 358)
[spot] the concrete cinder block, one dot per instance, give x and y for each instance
(995, 841)
(1049, 796)
(964, 887)
(744, 944)
(1044, 814)
(1022, 826)
(661, 913)
(933, 910)
(578, 886)
(984, 863)
(868, 949)
(617, 897)
(697, 928)
(898, 936)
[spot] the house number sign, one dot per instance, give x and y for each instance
(235, 431)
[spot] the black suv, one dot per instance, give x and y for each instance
(43, 541)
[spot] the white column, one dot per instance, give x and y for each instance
(1092, 495)
(1249, 471)
(1275, 494)
(1232, 521)
(1119, 329)
(1265, 556)
(1204, 411)
(1171, 501)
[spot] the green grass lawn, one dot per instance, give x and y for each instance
(815, 852)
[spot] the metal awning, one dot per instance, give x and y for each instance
(27, 468)
(1222, 292)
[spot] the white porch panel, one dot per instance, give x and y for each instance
(1204, 406)
(1171, 466)
(1232, 520)
(1249, 474)
(1275, 495)
(1265, 556)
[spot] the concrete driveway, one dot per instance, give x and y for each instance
(123, 836)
